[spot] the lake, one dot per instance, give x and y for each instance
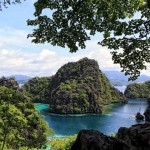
(118, 115)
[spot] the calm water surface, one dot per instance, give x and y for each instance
(118, 115)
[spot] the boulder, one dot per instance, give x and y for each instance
(139, 116)
(147, 114)
(94, 140)
(136, 137)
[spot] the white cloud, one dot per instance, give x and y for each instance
(19, 60)
(46, 62)
(43, 63)
(13, 37)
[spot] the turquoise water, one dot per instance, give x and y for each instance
(120, 115)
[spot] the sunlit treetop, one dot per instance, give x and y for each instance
(70, 23)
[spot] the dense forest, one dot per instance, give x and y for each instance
(38, 89)
(77, 87)
(9, 83)
(21, 124)
(138, 90)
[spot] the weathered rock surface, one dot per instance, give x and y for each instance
(94, 140)
(139, 116)
(136, 137)
(147, 112)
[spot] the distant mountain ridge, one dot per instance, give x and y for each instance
(21, 79)
(118, 78)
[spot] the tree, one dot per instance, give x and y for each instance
(12, 121)
(73, 22)
(20, 123)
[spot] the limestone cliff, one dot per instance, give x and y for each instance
(80, 87)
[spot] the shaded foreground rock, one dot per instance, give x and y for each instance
(147, 112)
(94, 140)
(136, 137)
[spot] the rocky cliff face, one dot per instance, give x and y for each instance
(80, 87)
(147, 111)
(135, 138)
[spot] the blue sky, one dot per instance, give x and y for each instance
(19, 56)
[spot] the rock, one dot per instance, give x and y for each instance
(147, 114)
(94, 140)
(136, 137)
(147, 111)
(80, 87)
(139, 116)
(148, 100)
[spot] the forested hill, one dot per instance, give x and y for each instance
(77, 87)
(38, 89)
(9, 83)
(138, 90)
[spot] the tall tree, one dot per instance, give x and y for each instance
(72, 22)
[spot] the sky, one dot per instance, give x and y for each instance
(18, 55)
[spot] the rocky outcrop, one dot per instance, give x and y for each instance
(136, 137)
(94, 140)
(139, 116)
(147, 112)
(80, 87)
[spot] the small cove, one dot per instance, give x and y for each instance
(118, 115)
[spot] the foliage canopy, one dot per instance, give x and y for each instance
(72, 22)
(138, 90)
(20, 124)
(38, 89)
